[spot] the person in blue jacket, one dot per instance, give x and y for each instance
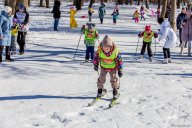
(5, 32)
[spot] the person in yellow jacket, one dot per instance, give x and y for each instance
(147, 35)
(73, 23)
(14, 31)
(110, 61)
(136, 16)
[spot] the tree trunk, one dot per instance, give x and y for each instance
(120, 2)
(164, 8)
(159, 4)
(131, 2)
(173, 16)
(29, 2)
(41, 3)
(147, 4)
(47, 3)
(178, 4)
(139, 2)
(91, 3)
(12, 4)
(78, 4)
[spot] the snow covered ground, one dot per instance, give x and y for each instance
(45, 88)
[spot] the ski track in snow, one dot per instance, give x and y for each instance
(46, 88)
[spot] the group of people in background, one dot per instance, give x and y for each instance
(13, 29)
(184, 25)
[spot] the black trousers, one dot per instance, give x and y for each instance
(149, 50)
(101, 20)
(89, 50)
(114, 21)
(166, 52)
(21, 41)
(1, 52)
(7, 51)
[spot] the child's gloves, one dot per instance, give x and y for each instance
(120, 74)
(155, 35)
(140, 35)
(83, 27)
(96, 67)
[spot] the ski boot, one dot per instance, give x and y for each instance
(101, 92)
(150, 59)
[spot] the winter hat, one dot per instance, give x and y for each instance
(107, 41)
(160, 20)
(21, 6)
(147, 28)
(90, 26)
(7, 9)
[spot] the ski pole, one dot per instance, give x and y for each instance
(136, 48)
(155, 47)
(77, 45)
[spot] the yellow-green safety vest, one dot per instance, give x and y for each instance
(148, 38)
(108, 62)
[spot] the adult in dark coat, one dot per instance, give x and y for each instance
(56, 13)
(180, 18)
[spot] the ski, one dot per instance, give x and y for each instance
(94, 101)
(89, 62)
(98, 98)
(114, 101)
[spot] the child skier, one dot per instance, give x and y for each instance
(147, 35)
(91, 35)
(142, 12)
(136, 16)
(14, 31)
(115, 15)
(110, 61)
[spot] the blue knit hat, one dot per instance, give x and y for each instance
(21, 6)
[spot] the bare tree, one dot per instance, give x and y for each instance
(173, 16)
(78, 4)
(164, 8)
(47, 3)
(29, 2)
(41, 3)
(178, 4)
(147, 4)
(159, 4)
(139, 2)
(131, 2)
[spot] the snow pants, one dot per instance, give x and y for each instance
(102, 79)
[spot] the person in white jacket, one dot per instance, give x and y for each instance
(170, 37)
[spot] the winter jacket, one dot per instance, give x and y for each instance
(56, 10)
(90, 37)
(5, 29)
(180, 17)
(22, 18)
(118, 59)
(90, 11)
(115, 15)
(186, 34)
(168, 35)
(101, 12)
(14, 30)
(148, 37)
